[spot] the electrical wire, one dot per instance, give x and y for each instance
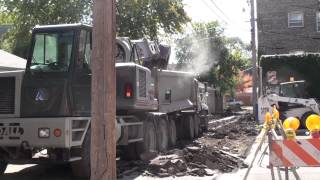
(215, 4)
(212, 10)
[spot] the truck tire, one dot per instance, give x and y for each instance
(196, 126)
(162, 135)
(189, 126)
(3, 167)
(172, 132)
(149, 144)
(130, 152)
(82, 168)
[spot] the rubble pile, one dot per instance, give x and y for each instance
(235, 138)
(245, 126)
(194, 160)
(220, 150)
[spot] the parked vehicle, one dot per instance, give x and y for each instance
(234, 104)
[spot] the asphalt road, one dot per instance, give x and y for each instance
(38, 172)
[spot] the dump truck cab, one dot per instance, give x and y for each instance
(57, 79)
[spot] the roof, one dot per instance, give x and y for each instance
(61, 26)
(10, 61)
(289, 55)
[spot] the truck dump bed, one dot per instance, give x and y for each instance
(175, 90)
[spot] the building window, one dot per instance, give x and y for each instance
(318, 21)
(295, 19)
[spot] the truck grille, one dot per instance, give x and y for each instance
(7, 95)
(142, 84)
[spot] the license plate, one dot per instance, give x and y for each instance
(11, 131)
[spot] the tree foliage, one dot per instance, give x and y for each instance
(135, 18)
(138, 18)
(216, 58)
(28, 13)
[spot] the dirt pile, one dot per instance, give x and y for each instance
(235, 138)
(220, 150)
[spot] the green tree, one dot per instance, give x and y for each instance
(216, 58)
(28, 13)
(139, 18)
(135, 18)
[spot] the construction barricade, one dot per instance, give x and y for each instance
(295, 153)
(289, 151)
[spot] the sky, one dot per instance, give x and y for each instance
(234, 15)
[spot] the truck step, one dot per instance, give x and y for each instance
(75, 159)
(78, 129)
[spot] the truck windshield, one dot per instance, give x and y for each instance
(52, 52)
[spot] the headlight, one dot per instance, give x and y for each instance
(44, 132)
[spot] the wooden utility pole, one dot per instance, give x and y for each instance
(254, 59)
(103, 142)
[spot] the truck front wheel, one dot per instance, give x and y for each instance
(82, 168)
(148, 147)
(3, 167)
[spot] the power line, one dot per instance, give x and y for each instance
(220, 10)
(230, 21)
(212, 10)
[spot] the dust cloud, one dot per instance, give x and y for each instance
(203, 57)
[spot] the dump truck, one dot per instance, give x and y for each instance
(291, 83)
(45, 110)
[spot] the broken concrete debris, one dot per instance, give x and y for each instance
(221, 150)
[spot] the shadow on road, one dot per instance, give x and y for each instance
(42, 172)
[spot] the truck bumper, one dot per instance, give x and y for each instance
(17, 132)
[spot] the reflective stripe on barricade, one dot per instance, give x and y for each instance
(295, 153)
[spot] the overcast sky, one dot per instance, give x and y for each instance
(234, 15)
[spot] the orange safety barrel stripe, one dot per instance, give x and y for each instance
(276, 148)
(301, 153)
(315, 143)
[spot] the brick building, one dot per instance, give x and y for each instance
(288, 26)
